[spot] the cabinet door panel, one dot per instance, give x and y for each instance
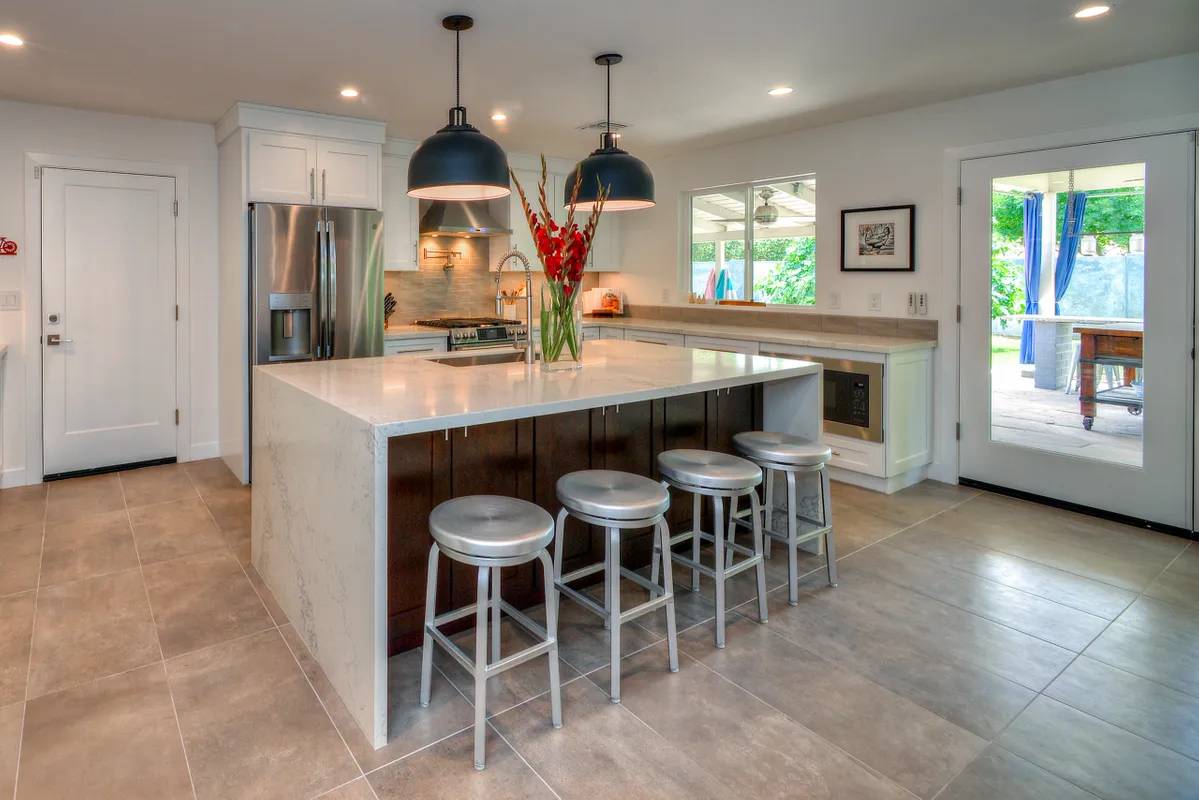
(683, 424)
(282, 168)
(399, 216)
(347, 173)
(563, 443)
(628, 446)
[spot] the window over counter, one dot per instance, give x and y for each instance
(755, 241)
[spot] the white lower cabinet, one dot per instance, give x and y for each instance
(654, 337)
(724, 345)
(611, 332)
(429, 344)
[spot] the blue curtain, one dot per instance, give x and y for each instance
(1032, 271)
(1067, 254)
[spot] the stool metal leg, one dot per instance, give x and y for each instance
(612, 595)
(481, 669)
(826, 510)
(559, 547)
(426, 661)
(718, 542)
(551, 628)
(768, 475)
(756, 512)
(495, 614)
(663, 552)
(728, 552)
(608, 583)
(696, 515)
(792, 541)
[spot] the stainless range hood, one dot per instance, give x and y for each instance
(468, 219)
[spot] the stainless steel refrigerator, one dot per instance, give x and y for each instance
(316, 283)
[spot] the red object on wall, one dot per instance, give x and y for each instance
(7, 247)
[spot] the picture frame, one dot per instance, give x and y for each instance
(878, 239)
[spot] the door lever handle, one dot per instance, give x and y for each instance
(53, 340)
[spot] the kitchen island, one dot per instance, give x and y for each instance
(350, 456)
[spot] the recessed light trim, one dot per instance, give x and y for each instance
(499, 116)
(349, 92)
(1092, 11)
(11, 39)
(780, 91)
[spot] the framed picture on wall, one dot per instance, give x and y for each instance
(880, 239)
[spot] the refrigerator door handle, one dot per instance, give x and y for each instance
(322, 273)
(331, 245)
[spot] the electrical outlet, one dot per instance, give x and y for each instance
(874, 301)
(665, 295)
(10, 300)
(834, 300)
(911, 302)
(922, 303)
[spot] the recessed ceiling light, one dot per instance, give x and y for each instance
(499, 116)
(1087, 12)
(779, 91)
(11, 39)
(349, 91)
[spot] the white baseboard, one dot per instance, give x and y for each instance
(884, 485)
(13, 476)
(203, 450)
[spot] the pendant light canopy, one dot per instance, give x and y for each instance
(629, 181)
(458, 162)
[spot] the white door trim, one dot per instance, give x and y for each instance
(31, 346)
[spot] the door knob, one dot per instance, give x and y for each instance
(53, 339)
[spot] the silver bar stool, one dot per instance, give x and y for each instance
(616, 501)
(490, 532)
(716, 475)
(792, 456)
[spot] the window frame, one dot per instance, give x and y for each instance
(748, 188)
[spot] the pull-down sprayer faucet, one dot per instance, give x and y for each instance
(530, 350)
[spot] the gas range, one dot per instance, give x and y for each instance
(474, 332)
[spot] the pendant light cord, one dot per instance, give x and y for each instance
(609, 112)
(458, 69)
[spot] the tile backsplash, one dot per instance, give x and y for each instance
(467, 289)
(798, 320)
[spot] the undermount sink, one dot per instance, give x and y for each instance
(480, 359)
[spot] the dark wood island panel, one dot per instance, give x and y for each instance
(524, 458)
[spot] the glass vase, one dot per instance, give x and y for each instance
(561, 330)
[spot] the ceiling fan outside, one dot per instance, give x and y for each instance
(765, 214)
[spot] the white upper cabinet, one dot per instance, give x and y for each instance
(282, 167)
(606, 246)
(291, 168)
(399, 216)
(347, 173)
(522, 238)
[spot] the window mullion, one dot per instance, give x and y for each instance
(749, 242)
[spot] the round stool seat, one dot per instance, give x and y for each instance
(708, 469)
(490, 526)
(782, 448)
(609, 494)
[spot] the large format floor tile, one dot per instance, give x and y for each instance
(149, 485)
(112, 738)
(1155, 640)
(21, 506)
(1179, 584)
(1148, 709)
(210, 476)
(903, 741)
(16, 626)
(177, 528)
(11, 717)
(252, 726)
(1106, 760)
(94, 545)
(81, 497)
(998, 773)
(358, 789)
(906, 506)
(22, 549)
(203, 599)
(91, 628)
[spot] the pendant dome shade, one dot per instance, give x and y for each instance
(628, 180)
(458, 162)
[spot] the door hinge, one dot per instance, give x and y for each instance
(175, 208)
(958, 313)
(959, 195)
(176, 312)
(958, 431)
(176, 416)
(37, 173)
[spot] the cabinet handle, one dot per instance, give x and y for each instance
(323, 186)
(312, 184)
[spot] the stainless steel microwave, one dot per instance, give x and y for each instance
(853, 397)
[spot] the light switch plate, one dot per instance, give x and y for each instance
(911, 302)
(834, 300)
(922, 303)
(10, 299)
(874, 301)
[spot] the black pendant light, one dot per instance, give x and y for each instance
(458, 162)
(630, 183)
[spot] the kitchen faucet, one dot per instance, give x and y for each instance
(530, 350)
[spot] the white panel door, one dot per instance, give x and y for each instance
(1121, 441)
(282, 168)
(347, 173)
(399, 216)
(108, 319)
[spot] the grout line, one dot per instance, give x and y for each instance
(150, 607)
(37, 590)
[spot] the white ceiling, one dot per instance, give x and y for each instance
(695, 71)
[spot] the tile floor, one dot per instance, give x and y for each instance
(977, 647)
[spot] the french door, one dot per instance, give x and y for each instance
(108, 319)
(1077, 288)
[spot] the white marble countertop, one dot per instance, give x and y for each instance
(399, 395)
(834, 341)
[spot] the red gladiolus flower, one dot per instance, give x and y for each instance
(567, 290)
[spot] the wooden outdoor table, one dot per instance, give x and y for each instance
(1109, 345)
